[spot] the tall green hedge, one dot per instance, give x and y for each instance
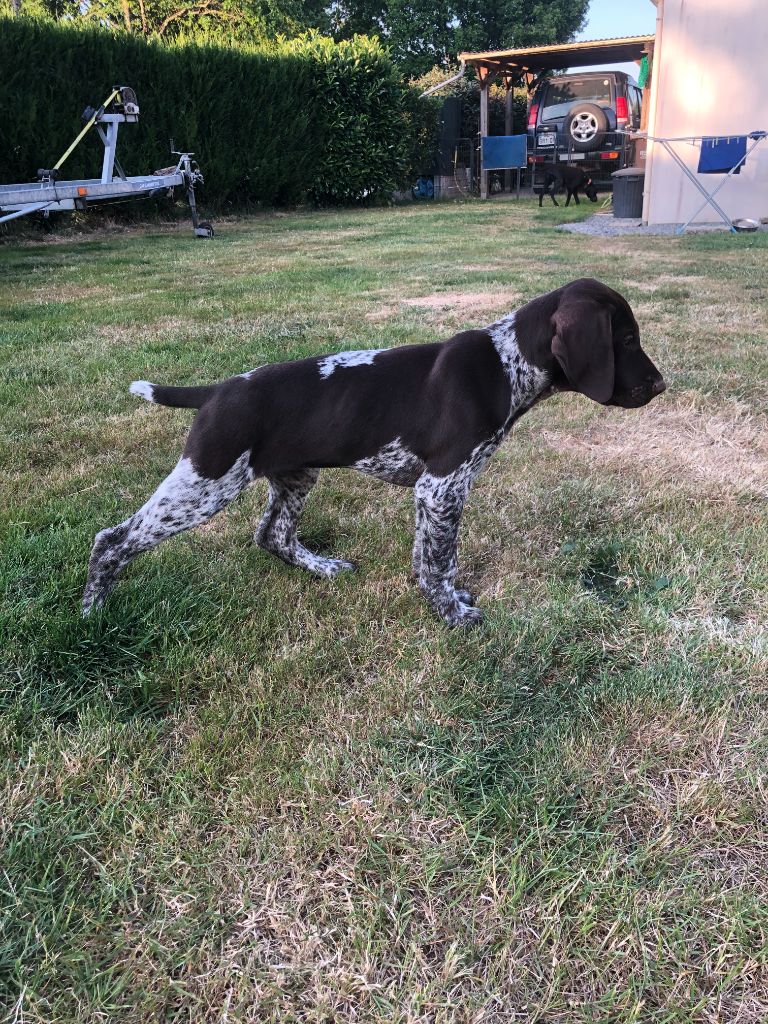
(305, 118)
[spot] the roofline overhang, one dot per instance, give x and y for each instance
(534, 59)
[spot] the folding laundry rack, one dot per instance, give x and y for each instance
(50, 192)
(734, 149)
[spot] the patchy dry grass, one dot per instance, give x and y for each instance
(716, 445)
(241, 794)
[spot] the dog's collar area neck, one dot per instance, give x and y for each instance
(528, 383)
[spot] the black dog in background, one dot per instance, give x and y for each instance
(573, 178)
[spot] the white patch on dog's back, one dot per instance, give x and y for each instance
(393, 463)
(362, 357)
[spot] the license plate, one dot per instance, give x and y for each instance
(546, 139)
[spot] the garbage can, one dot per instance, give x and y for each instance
(628, 185)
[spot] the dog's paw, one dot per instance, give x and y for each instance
(329, 567)
(465, 597)
(463, 615)
(339, 565)
(91, 601)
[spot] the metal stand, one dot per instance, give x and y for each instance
(51, 193)
(694, 140)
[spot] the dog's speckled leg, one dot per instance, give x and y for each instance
(463, 595)
(183, 500)
(439, 506)
(277, 530)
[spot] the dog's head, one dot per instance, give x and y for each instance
(591, 344)
(590, 191)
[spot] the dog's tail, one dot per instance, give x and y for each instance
(179, 398)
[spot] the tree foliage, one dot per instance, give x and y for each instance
(418, 33)
(423, 33)
(237, 21)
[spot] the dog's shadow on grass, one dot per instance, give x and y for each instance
(57, 664)
(63, 663)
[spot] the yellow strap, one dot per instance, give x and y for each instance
(87, 128)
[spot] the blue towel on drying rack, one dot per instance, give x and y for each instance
(719, 155)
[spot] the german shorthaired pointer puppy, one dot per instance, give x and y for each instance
(424, 416)
(573, 178)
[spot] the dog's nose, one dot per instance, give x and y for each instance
(658, 386)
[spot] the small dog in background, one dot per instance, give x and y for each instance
(573, 178)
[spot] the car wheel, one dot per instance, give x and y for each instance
(586, 125)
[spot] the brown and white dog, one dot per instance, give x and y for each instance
(424, 416)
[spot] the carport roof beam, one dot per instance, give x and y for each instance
(533, 60)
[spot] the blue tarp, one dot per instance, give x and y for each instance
(501, 152)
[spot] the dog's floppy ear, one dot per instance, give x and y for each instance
(583, 345)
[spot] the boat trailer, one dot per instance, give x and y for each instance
(50, 192)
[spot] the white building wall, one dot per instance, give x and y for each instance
(710, 78)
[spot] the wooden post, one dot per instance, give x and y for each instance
(485, 81)
(508, 124)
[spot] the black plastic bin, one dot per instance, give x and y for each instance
(628, 185)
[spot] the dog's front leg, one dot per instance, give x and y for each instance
(463, 595)
(439, 506)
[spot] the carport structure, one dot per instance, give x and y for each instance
(527, 66)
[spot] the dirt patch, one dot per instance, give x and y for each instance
(383, 313)
(727, 449)
(68, 293)
(448, 302)
(461, 300)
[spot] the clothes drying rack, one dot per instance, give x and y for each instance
(752, 139)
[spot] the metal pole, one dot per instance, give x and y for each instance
(32, 208)
(108, 163)
(442, 85)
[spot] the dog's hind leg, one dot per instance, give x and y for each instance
(277, 530)
(183, 500)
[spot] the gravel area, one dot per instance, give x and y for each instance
(607, 225)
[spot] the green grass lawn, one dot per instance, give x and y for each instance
(241, 793)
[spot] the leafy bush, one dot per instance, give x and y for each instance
(305, 118)
(361, 98)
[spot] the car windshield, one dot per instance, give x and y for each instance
(561, 95)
